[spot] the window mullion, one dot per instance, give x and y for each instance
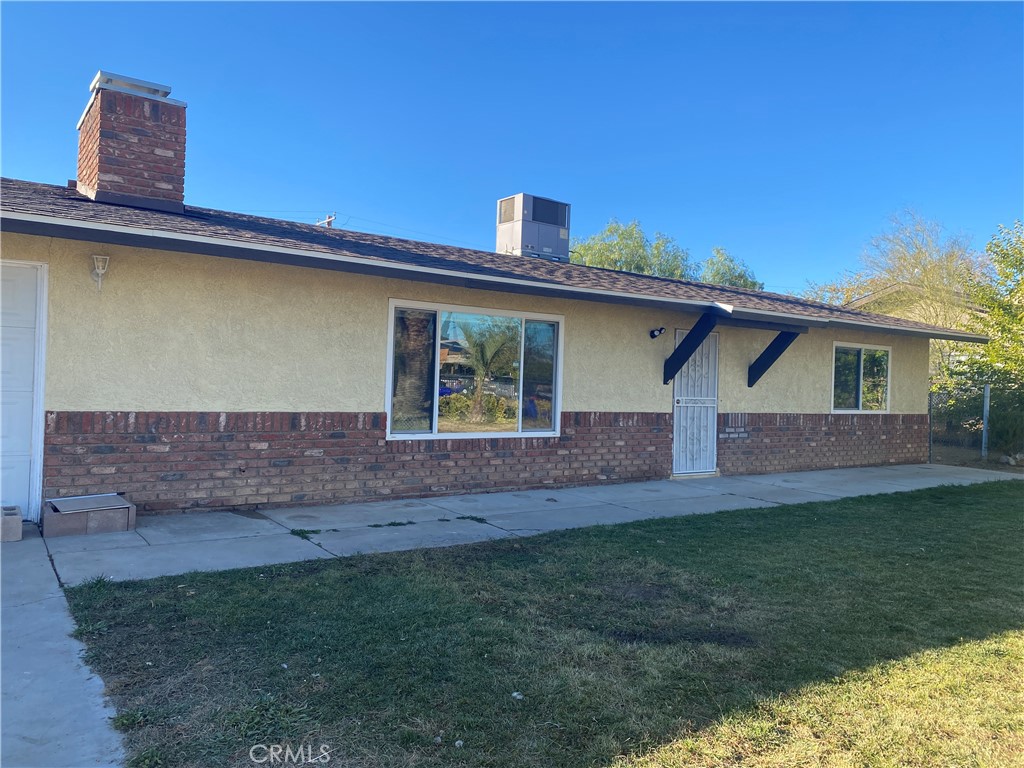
(522, 367)
(437, 372)
(860, 381)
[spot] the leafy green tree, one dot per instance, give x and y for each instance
(1000, 298)
(999, 295)
(625, 247)
(724, 269)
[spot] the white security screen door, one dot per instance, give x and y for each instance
(695, 419)
(19, 376)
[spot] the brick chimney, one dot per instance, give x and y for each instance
(131, 144)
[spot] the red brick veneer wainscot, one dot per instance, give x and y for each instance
(173, 461)
(758, 443)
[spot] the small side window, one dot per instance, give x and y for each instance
(860, 378)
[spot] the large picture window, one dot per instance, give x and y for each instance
(860, 378)
(458, 371)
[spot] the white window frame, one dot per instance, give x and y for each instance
(556, 400)
(860, 378)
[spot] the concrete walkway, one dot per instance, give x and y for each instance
(53, 711)
(174, 544)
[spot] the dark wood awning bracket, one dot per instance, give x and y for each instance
(700, 331)
(767, 359)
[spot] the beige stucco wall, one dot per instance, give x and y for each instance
(801, 380)
(176, 331)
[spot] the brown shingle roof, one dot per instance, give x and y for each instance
(23, 201)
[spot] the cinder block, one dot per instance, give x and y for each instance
(107, 520)
(11, 524)
(63, 524)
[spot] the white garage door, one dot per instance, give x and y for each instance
(20, 471)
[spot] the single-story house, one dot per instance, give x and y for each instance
(202, 359)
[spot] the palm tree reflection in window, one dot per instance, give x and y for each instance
(412, 396)
(479, 378)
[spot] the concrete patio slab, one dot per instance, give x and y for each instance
(946, 475)
(658, 489)
(773, 493)
(352, 541)
(948, 471)
(202, 526)
(836, 483)
(699, 506)
(355, 515)
(168, 559)
(95, 541)
(483, 503)
(542, 520)
(26, 571)
(53, 711)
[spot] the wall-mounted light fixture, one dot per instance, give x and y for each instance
(657, 332)
(99, 269)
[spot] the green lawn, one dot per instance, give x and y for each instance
(885, 630)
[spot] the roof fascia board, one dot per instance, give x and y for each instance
(973, 338)
(939, 333)
(118, 234)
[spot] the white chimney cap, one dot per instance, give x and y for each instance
(108, 81)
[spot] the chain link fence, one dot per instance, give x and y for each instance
(972, 424)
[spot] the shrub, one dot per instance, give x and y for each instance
(499, 409)
(459, 407)
(957, 415)
(455, 407)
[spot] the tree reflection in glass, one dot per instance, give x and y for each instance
(412, 394)
(539, 376)
(875, 386)
(479, 373)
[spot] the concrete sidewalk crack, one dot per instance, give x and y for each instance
(322, 547)
(139, 534)
(33, 602)
(53, 566)
(510, 531)
(756, 498)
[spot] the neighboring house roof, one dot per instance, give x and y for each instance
(44, 209)
(894, 289)
(889, 290)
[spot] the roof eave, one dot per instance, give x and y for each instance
(946, 334)
(117, 234)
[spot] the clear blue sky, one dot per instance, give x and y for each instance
(788, 133)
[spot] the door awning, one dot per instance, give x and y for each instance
(722, 315)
